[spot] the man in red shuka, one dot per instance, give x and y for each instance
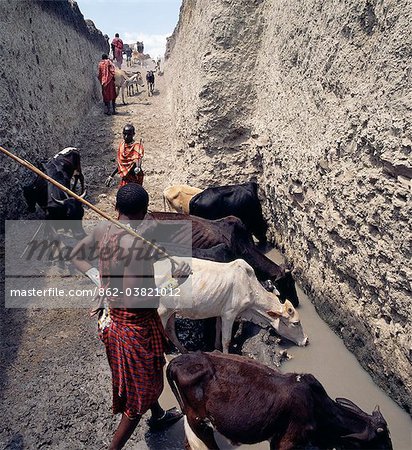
(117, 48)
(107, 80)
(133, 333)
(129, 159)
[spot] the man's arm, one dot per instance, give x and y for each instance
(139, 160)
(109, 179)
(79, 254)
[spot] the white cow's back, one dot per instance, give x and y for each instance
(211, 289)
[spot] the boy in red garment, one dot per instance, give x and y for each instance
(129, 159)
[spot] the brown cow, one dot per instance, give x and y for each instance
(227, 239)
(178, 197)
(247, 403)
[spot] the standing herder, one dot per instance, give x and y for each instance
(129, 159)
(106, 76)
(117, 48)
(150, 79)
(133, 334)
(107, 43)
(129, 57)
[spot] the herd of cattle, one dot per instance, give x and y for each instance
(232, 279)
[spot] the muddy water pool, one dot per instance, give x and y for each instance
(327, 358)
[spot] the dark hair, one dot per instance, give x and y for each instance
(132, 199)
(129, 125)
(116, 35)
(104, 56)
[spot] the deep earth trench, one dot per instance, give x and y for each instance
(55, 377)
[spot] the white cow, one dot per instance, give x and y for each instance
(178, 197)
(123, 80)
(228, 291)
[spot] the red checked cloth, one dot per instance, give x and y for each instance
(134, 348)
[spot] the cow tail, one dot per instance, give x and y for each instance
(170, 378)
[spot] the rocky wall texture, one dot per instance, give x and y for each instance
(314, 100)
(48, 65)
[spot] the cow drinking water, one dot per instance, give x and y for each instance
(228, 291)
(227, 239)
(247, 403)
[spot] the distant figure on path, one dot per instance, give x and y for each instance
(129, 159)
(106, 78)
(107, 42)
(117, 48)
(150, 79)
(129, 57)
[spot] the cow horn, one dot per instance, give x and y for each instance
(83, 194)
(348, 404)
(60, 202)
(362, 436)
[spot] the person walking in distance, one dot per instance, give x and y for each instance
(150, 80)
(129, 57)
(106, 76)
(129, 159)
(132, 332)
(117, 48)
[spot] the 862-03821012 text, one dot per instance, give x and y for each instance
(139, 292)
(105, 292)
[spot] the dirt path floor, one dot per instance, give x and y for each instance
(55, 384)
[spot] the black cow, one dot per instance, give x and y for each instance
(227, 239)
(248, 403)
(57, 205)
(240, 200)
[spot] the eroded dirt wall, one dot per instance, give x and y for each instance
(211, 72)
(49, 56)
(313, 99)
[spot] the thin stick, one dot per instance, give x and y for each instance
(118, 224)
(32, 239)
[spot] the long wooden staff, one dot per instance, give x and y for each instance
(118, 224)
